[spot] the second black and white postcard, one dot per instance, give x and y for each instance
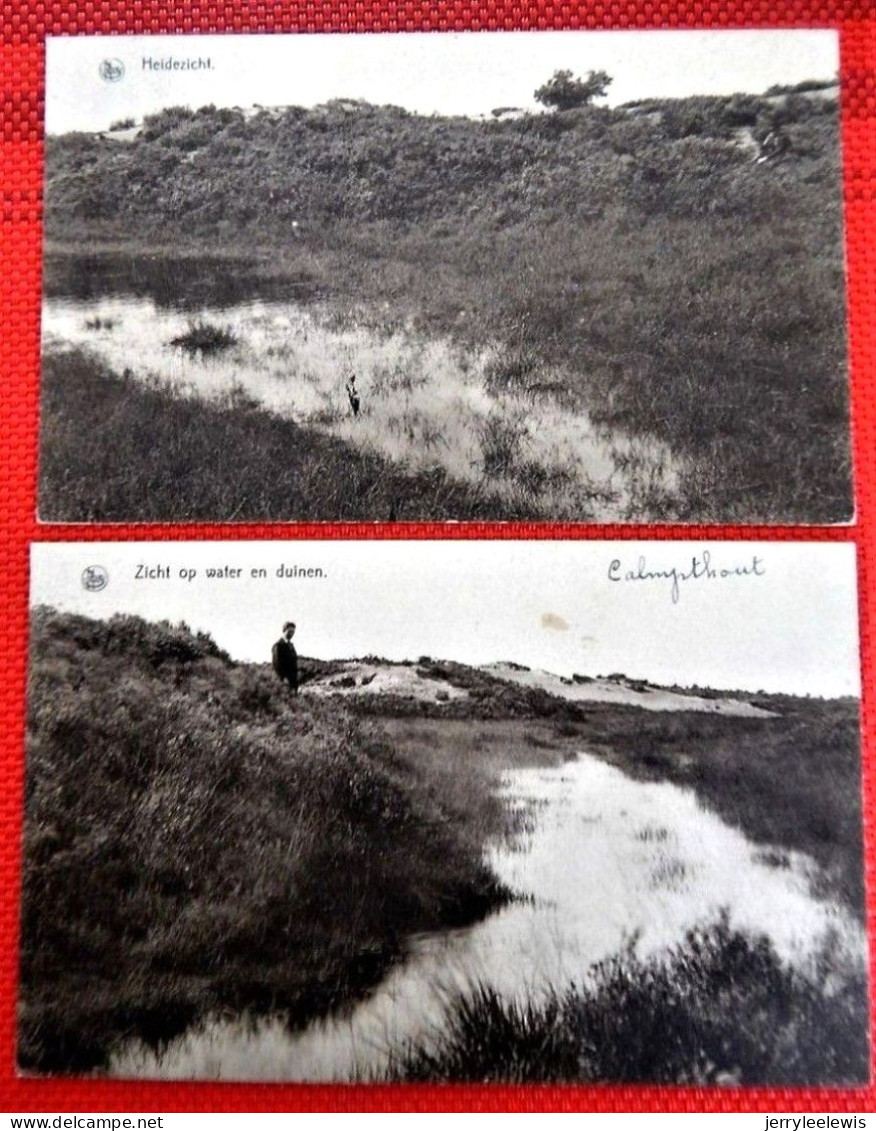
(388, 811)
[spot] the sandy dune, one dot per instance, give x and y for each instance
(623, 692)
(384, 679)
(361, 677)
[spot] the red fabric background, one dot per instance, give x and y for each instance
(24, 26)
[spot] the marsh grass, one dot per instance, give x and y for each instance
(442, 448)
(516, 455)
(720, 1008)
(770, 777)
(652, 834)
(511, 370)
(502, 444)
(739, 768)
(160, 456)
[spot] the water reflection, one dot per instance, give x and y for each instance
(187, 284)
(602, 860)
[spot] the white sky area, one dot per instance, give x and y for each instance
(466, 73)
(548, 605)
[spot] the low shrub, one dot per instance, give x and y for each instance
(205, 337)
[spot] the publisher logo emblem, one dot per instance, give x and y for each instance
(94, 578)
(111, 70)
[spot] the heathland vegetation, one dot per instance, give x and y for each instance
(199, 845)
(680, 262)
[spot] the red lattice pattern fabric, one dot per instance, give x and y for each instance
(22, 55)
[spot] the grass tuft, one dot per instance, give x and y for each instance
(205, 338)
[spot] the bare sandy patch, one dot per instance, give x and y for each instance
(627, 692)
(403, 680)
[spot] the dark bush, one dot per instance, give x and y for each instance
(721, 1008)
(205, 337)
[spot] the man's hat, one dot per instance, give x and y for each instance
(289, 624)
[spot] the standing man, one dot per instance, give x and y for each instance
(353, 395)
(285, 658)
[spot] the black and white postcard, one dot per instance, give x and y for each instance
(517, 811)
(573, 276)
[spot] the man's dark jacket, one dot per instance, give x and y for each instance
(285, 661)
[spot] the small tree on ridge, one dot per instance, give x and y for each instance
(565, 92)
